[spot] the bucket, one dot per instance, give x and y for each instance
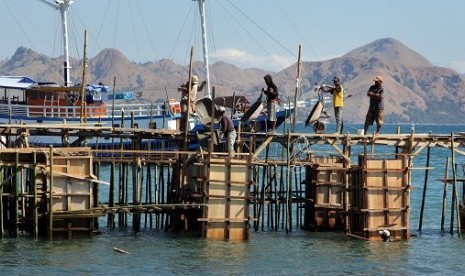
(360, 132)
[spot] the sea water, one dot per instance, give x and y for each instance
(155, 252)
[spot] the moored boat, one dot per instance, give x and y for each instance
(27, 101)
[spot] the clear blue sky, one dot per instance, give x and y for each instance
(248, 33)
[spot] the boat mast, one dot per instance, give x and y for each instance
(62, 6)
(204, 43)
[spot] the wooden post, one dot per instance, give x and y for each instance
(111, 195)
(83, 84)
(422, 208)
(34, 204)
(297, 87)
(444, 195)
(16, 184)
(455, 197)
(136, 184)
(95, 189)
(50, 200)
(113, 107)
(2, 171)
(189, 82)
(347, 154)
(289, 186)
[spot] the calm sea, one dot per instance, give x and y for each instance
(155, 252)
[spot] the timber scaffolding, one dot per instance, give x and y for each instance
(275, 183)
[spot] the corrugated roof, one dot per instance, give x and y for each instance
(16, 82)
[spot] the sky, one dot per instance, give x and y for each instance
(248, 33)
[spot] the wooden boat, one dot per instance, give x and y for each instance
(25, 101)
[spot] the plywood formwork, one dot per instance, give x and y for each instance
(72, 186)
(72, 189)
(324, 193)
(380, 198)
(227, 215)
(46, 187)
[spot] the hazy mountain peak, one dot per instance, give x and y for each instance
(389, 50)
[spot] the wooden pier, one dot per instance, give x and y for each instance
(149, 180)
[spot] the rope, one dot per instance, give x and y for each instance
(263, 30)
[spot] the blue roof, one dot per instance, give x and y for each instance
(16, 82)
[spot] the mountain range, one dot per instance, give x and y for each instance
(416, 90)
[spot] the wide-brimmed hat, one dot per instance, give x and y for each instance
(378, 78)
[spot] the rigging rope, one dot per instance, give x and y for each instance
(263, 30)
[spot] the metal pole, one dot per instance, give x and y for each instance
(205, 45)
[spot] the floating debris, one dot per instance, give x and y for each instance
(116, 249)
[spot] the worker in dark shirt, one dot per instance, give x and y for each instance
(227, 127)
(272, 99)
(375, 111)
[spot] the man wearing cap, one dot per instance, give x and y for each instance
(375, 111)
(227, 127)
(338, 101)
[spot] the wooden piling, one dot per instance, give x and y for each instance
(50, 195)
(425, 185)
(34, 181)
(444, 195)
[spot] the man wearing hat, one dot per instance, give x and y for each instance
(338, 101)
(375, 111)
(189, 94)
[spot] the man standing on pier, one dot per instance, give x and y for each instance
(338, 101)
(189, 95)
(375, 111)
(272, 100)
(227, 127)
